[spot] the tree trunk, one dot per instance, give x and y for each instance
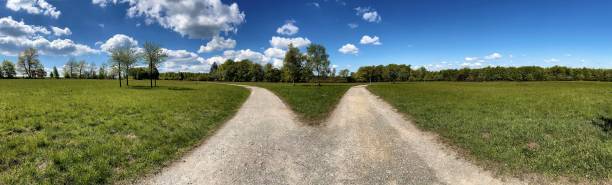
(127, 76)
(120, 75)
(151, 75)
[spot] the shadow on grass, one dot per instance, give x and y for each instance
(180, 88)
(144, 87)
(604, 123)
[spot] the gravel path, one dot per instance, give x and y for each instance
(363, 142)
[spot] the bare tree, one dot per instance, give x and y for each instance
(81, 67)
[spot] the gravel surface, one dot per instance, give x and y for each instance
(363, 142)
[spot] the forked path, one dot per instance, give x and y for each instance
(363, 142)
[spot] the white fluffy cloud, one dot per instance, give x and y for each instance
(118, 40)
(288, 28)
(192, 18)
(59, 32)
(33, 7)
(184, 61)
(366, 39)
(275, 53)
(217, 43)
(368, 14)
(349, 49)
(246, 55)
(493, 56)
(17, 36)
(12, 28)
(103, 3)
(13, 45)
(470, 59)
(281, 42)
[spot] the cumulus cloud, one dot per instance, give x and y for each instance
(12, 28)
(17, 36)
(366, 39)
(368, 14)
(217, 43)
(33, 7)
(275, 53)
(353, 25)
(184, 61)
(59, 32)
(13, 45)
(288, 28)
(103, 3)
(117, 41)
(349, 49)
(470, 59)
(192, 18)
(281, 42)
(246, 55)
(493, 56)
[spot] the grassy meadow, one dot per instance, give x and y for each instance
(311, 102)
(560, 129)
(93, 132)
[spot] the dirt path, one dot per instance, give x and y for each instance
(363, 142)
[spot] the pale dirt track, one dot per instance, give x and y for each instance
(363, 142)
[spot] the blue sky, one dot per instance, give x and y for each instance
(436, 34)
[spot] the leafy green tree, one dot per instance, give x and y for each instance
(317, 61)
(292, 64)
(8, 69)
(55, 73)
(28, 61)
(126, 57)
(153, 55)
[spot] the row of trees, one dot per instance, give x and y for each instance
(394, 72)
(123, 58)
(312, 66)
(297, 67)
(27, 63)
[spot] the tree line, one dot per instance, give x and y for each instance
(394, 72)
(311, 66)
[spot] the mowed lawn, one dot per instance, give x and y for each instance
(543, 127)
(311, 102)
(93, 132)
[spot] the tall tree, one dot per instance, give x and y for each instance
(214, 68)
(92, 70)
(317, 61)
(55, 72)
(292, 64)
(70, 68)
(81, 68)
(8, 68)
(153, 55)
(102, 72)
(126, 57)
(28, 61)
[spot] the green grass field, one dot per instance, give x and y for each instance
(93, 132)
(543, 127)
(311, 102)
